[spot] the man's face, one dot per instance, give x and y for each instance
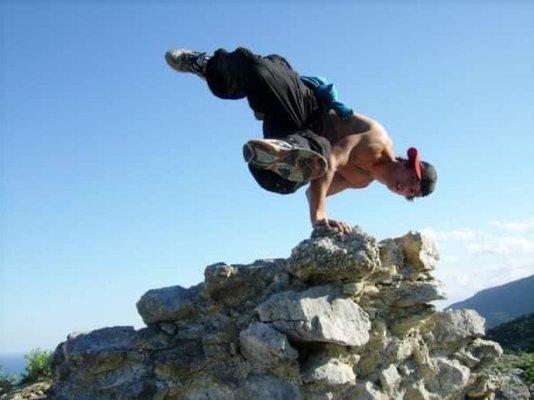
(404, 182)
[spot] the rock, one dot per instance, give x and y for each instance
(329, 373)
(318, 314)
(170, 329)
(31, 391)
(414, 293)
(390, 379)
(420, 251)
(205, 389)
(511, 387)
(233, 285)
(367, 391)
(485, 352)
(166, 304)
(412, 256)
(343, 318)
(353, 288)
(101, 364)
(449, 379)
(334, 257)
(262, 344)
(266, 387)
(457, 325)
(484, 385)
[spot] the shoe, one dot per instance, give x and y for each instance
(287, 160)
(183, 60)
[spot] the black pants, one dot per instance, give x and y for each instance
(274, 90)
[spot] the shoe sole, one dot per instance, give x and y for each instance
(177, 60)
(297, 165)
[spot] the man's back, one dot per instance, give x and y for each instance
(365, 142)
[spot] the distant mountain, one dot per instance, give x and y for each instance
(502, 304)
(515, 335)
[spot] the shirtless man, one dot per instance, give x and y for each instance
(309, 136)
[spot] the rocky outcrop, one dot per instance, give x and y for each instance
(344, 317)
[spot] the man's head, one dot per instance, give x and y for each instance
(412, 177)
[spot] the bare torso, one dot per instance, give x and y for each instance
(367, 142)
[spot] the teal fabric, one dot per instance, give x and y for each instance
(327, 92)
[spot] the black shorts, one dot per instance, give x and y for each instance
(288, 107)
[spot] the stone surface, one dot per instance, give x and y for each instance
(390, 379)
(415, 293)
(456, 325)
(233, 285)
(319, 314)
(262, 344)
(265, 387)
(166, 304)
(329, 372)
(335, 257)
(449, 380)
(343, 318)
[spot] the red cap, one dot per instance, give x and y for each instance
(415, 162)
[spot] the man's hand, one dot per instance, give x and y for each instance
(332, 224)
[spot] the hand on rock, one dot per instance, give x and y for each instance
(333, 224)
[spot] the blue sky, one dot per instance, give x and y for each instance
(120, 175)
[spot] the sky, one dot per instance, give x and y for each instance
(119, 175)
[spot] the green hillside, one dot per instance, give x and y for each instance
(516, 335)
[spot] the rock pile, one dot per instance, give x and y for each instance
(344, 317)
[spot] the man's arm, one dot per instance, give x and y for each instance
(320, 187)
(339, 183)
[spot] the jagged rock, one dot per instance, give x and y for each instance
(449, 379)
(262, 344)
(343, 318)
(456, 325)
(328, 372)
(511, 387)
(413, 255)
(415, 293)
(480, 353)
(233, 285)
(213, 392)
(102, 364)
(265, 387)
(30, 391)
(390, 379)
(319, 314)
(335, 257)
(166, 304)
(367, 391)
(420, 251)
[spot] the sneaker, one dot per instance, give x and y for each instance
(287, 160)
(183, 60)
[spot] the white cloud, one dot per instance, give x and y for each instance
(455, 234)
(515, 226)
(474, 259)
(502, 245)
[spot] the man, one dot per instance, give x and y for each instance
(309, 136)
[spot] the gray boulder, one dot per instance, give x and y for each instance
(319, 314)
(267, 387)
(335, 257)
(167, 304)
(262, 344)
(457, 325)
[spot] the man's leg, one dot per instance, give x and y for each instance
(275, 92)
(275, 177)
